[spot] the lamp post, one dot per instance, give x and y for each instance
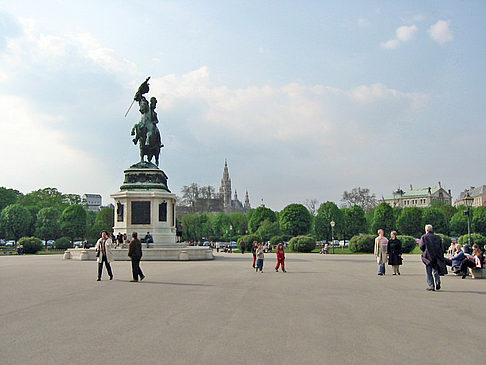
(332, 235)
(468, 199)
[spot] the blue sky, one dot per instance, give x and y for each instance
(305, 99)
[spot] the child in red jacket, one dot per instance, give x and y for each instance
(280, 257)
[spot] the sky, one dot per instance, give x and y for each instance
(304, 99)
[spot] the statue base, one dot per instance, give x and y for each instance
(183, 253)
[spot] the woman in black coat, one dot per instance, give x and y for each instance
(395, 253)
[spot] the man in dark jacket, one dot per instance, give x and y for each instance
(432, 256)
(135, 253)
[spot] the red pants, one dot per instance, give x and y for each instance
(254, 260)
(280, 261)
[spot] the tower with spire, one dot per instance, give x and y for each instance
(231, 205)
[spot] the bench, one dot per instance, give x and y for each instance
(477, 273)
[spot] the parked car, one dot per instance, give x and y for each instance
(10, 243)
(78, 244)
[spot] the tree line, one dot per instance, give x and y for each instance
(50, 215)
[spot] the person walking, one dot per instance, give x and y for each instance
(380, 251)
(135, 254)
(260, 253)
(280, 257)
(104, 254)
(432, 257)
(253, 252)
(395, 253)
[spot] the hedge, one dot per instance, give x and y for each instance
(31, 244)
(408, 243)
(476, 238)
(362, 243)
(302, 244)
(63, 243)
(247, 241)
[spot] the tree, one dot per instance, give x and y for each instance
(106, 218)
(354, 221)
(326, 213)
(458, 224)
(8, 197)
(258, 216)
(222, 227)
(436, 218)
(384, 218)
(410, 222)
(239, 222)
(312, 205)
(49, 197)
(190, 194)
(47, 225)
(31, 244)
(73, 222)
(267, 230)
(448, 211)
(479, 220)
(295, 220)
(361, 197)
(16, 220)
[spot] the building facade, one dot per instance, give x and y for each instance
(421, 198)
(477, 193)
(93, 201)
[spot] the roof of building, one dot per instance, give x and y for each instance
(415, 193)
(92, 195)
(473, 191)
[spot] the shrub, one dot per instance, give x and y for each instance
(408, 243)
(247, 241)
(476, 238)
(362, 243)
(31, 244)
(63, 243)
(446, 241)
(302, 244)
(275, 240)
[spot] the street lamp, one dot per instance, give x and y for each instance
(468, 199)
(332, 235)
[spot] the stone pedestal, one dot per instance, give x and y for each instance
(145, 204)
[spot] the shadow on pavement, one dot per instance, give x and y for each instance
(162, 283)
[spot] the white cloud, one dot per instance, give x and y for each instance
(391, 44)
(406, 33)
(440, 32)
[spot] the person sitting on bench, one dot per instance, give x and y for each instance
(475, 261)
(456, 260)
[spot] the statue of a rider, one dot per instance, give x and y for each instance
(146, 133)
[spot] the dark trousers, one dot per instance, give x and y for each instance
(254, 259)
(136, 270)
(100, 267)
(465, 264)
(259, 265)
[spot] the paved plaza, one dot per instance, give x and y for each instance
(327, 309)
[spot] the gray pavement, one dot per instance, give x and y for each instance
(327, 309)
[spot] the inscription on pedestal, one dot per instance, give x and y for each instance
(163, 212)
(141, 212)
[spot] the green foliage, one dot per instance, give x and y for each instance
(326, 213)
(476, 238)
(448, 211)
(436, 218)
(258, 216)
(362, 243)
(410, 221)
(479, 220)
(302, 244)
(446, 241)
(49, 197)
(267, 230)
(73, 222)
(8, 197)
(196, 227)
(31, 244)
(222, 227)
(16, 221)
(354, 221)
(47, 225)
(408, 243)
(275, 240)
(247, 241)
(33, 210)
(384, 218)
(106, 219)
(295, 220)
(239, 222)
(458, 224)
(63, 243)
